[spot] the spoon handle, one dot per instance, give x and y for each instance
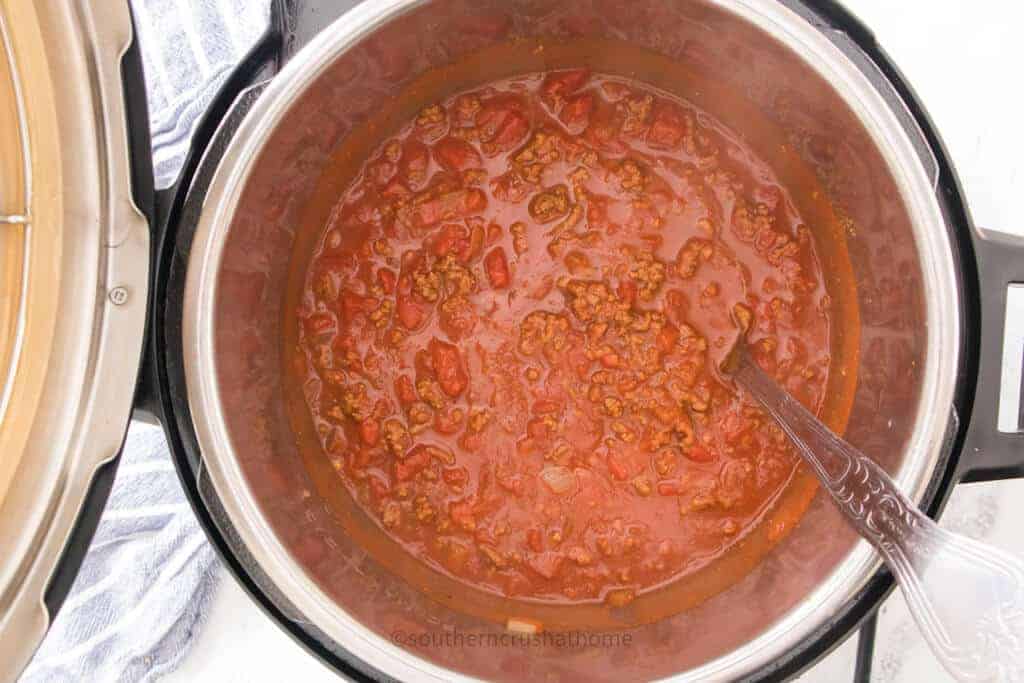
(966, 597)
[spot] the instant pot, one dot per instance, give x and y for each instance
(119, 300)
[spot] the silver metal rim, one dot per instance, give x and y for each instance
(7, 380)
(925, 446)
(91, 370)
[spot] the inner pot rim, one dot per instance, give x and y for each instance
(880, 120)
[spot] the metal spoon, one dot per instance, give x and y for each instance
(966, 597)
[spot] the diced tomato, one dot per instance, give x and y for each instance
(511, 482)
(431, 123)
(627, 291)
(461, 512)
(413, 463)
(369, 431)
(381, 172)
(604, 130)
(471, 442)
(563, 83)
(510, 187)
(494, 112)
(494, 233)
(455, 476)
(321, 325)
(578, 360)
(699, 453)
(458, 317)
(546, 564)
(675, 304)
(538, 429)
(378, 487)
(382, 408)
(414, 163)
(405, 391)
(395, 190)
(448, 420)
(617, 469)
(411, 259)
(448, 367)
(449, 206)
(598, 217)
(534, 540)
(669, 488)
(542, 407)
(497, 268)
(386, 278)
(769, 195)
(475, 244)
(614, 91)
(735, 427)
(450, 239)
(510, 133)
(359, 458)
(410, 313)
(454, 154)
(354, 305)
(667, 338)
(503, 124)
(667, 127)
(576, 112)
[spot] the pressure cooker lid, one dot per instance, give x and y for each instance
(74, 259)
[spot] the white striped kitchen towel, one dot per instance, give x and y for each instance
(188, 48)
(140, 594)
(139, 599)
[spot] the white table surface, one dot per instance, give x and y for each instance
(964, 59)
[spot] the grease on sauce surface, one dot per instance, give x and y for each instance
(512, 325)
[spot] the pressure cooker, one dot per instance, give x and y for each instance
(122, 301)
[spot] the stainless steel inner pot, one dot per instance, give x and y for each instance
(881, 180)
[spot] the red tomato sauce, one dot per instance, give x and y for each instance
(512, 327)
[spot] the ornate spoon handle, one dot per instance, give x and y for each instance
(967, 598)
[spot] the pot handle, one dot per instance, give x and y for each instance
(994, 449)
(300, 22)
